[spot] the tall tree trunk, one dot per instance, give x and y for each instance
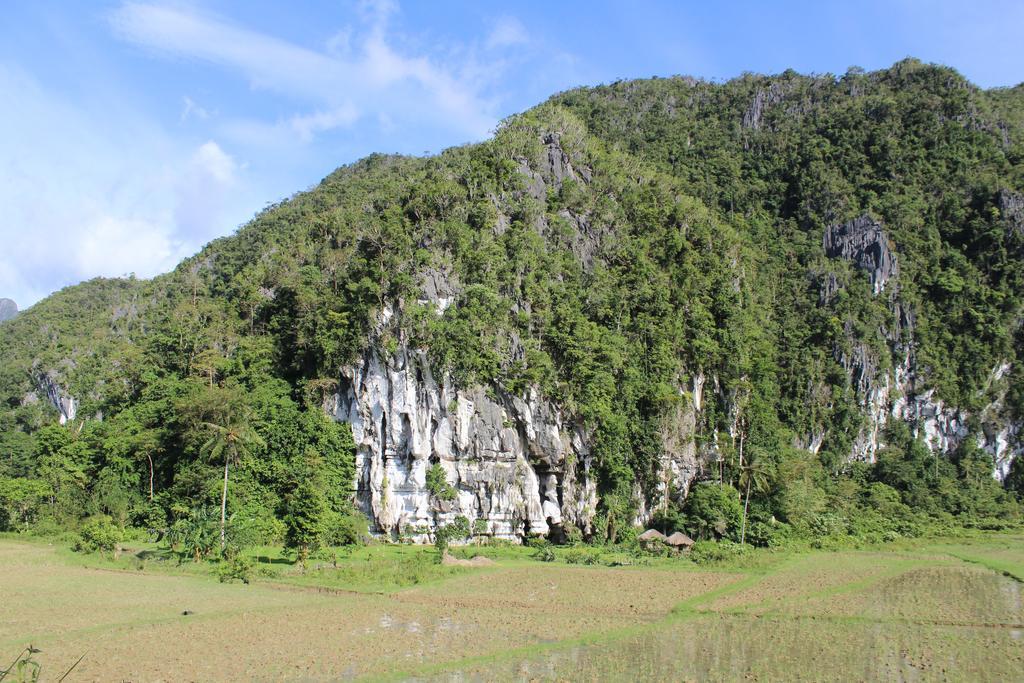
(743, 527)
(224, 498)
(742, 436)
(150, 458)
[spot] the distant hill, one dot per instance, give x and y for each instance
(8, 309)
(794, 298)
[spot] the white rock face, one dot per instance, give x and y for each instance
(897, 393)
(892, 396)
(515, 462)
(65, 404)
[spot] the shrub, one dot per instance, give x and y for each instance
(836, 542)
(890, 537)
(236, 569)
(717, 552)
(827, 524)
(573, 556)
(581, 555)
(544, 554)
(20, 500)
(989, 524)
(345, 529)
(98, 534)
(198, 534)
(437, 483)
(768, 535)
(247, 530)
(457, 530)
(480, 527)
(573, 534)
(657, 549)
(667, 520)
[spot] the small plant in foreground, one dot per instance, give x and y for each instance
(24, 668)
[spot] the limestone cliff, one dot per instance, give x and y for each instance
(898, 393)
(516, 462)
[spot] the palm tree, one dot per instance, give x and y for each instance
(232, 440)
(752, 476)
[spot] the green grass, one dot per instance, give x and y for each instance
(927, 610)
(367, 569)
(1004, 554)
(374, 569)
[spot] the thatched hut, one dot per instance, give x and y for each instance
(679, 541)
(651, 536)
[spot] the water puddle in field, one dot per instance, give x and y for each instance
(778, 646)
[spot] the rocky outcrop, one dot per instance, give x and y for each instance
(1001, 434)
(553, 168)
(764, 98)
(863, 242)
(516, 463)
(440, 288)
(8, 309)
(1011, 209)
(59, 398)
(899, 392)
(680, 461)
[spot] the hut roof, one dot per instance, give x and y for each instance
(679, 540)
(651, 535)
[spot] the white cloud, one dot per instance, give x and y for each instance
(93, 184)
(212, 161)
(102, 193)
(268, 62)
(192, 109)
(340, 44)
(363, 72)
(113, 246)
(507, 31)
(201, 190)
(309, 124)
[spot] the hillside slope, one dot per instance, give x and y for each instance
(629, 289)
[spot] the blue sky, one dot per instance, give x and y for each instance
(131, 133)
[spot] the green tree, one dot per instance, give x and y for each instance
(306, 509)
(19, 500)
(1015, 478)
(753, 476)
(231, 439)
(713, 510)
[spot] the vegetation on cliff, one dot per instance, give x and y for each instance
(607, 247)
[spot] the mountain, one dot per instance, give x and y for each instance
(8, 309)
(807, 287)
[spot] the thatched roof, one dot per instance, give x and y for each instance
(651, 535)
(679, 540)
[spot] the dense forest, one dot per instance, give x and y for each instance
(782, 245)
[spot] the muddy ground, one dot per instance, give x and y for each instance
(930, 614)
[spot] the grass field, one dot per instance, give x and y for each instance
(946, 611)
